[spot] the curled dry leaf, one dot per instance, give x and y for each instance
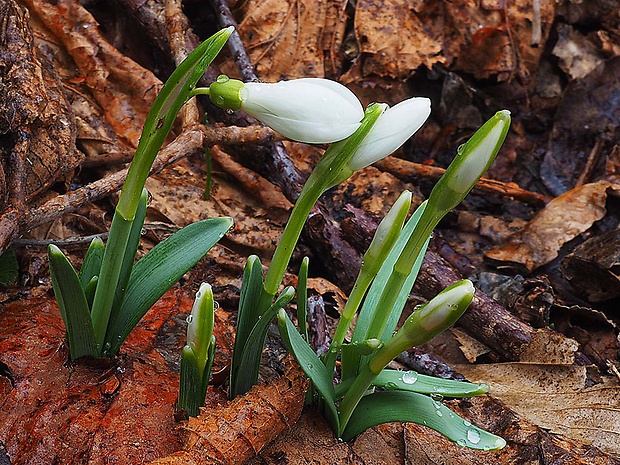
(560, 221)
(235, 432)
(284, 37)
(121, 87)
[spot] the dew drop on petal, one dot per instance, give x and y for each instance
(461, 442)
(409, 377)
(466, 423)
(189, 319)
(439, 413)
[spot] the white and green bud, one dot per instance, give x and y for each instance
(393, 128)
(388, 230)
(426, 322)
(473, 159)
(311, 110)
(200, 325)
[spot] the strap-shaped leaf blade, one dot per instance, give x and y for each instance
(133, 241)
(251, 301)
(371, 309)
(91, 266)
(386, 406)
(311, 365)
(302, 298)
(159, 269)
(250, 355)
(416, 382)
(73, 305)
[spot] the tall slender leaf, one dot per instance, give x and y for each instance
(302, 298)
(250, 309)
(311, 365)
(249, 358)
(415, 382)
(91, 266)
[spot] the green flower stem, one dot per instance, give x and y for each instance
(401, 270)
(158, 123)
(385, 236)
(331, 170)
(108, 279)
(362, 283)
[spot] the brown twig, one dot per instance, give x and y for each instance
(189, 142)
(408, 171)
(230, 135)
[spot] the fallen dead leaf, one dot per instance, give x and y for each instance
(560, 221)
(557, 397)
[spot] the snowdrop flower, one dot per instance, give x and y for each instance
(310, 110)
(392, 129)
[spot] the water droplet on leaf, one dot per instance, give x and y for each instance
(409, 377)
(473, 436)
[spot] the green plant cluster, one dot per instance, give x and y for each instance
(104, 301)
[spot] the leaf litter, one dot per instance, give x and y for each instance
(383, 54)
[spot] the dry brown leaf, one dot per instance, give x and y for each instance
(284, 37)
(560, 221)
(556, 397)
(178, 194)
(395, 38)
(121, 87)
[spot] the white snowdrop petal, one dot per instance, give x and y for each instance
(308, 110)
(391, 130)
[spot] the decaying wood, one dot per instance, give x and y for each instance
(233, 433)
(37, 128)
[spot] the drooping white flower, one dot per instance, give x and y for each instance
(310, 110)
(392, 129)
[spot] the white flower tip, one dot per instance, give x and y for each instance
(442, 311)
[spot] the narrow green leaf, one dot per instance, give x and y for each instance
(415, 382)
(90, 289)
(91, 266)
(311, 365)
(189, 384)
(372, 311)
(250, 310)
(302, 298)
(160, 269)
(206, 374)
(72, 304)
(9, 269)
(386, 406)
(249, 356)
